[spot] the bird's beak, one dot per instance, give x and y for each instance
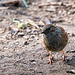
(42, 32)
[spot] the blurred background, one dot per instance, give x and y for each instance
(21, 48)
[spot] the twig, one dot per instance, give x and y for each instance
(48, 4)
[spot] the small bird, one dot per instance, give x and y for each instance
(55, 38)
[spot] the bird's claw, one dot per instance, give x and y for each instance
(50, 62)
(65, 58)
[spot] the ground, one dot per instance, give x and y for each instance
(26, 54)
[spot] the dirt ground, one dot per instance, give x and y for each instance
(26, 54)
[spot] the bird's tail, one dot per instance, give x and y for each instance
(46, 21)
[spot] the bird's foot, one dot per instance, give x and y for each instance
(65, 58)
(51, 60)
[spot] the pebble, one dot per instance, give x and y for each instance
(32, 36)
(30, 40)
(73, 35)
(32, 60)
(51, 9)
(26, 37)
(58, 19)
(13, 44)
(69, 59)
(26, 43)
(71, 71)
(71, 11)
(36, 38)
(72, 51)
(53, 0)
(20, 34)
(29, 31)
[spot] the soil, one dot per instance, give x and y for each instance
(26, 54)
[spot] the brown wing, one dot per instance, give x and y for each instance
(64, 35)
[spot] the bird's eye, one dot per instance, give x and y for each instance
(48, 29)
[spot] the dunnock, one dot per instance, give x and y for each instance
(55, 38)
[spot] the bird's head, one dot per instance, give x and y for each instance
(48, 29)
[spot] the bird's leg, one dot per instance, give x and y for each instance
(64, 55)
(50, 58)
